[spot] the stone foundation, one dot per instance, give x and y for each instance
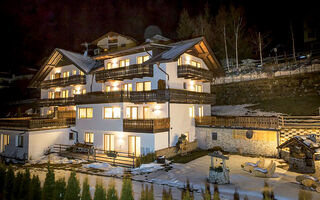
(173, 151)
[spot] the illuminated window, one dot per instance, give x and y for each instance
(201, 111)
(142, 59)
(180, 61)
(191, 111)
(143, 86)
(124, 63)
(74, 91)
(51, 95)
(66, 74)
(84, 91)
(132, 112)
(112, 112)
(52, 76)
(109, 65)
(127, 87)
(195, 64)
(74, 72)
(65, 93)
(108, 142)
(88, 138)
(108, 88)
(19, 141)
(81, 73)
(198, 88)
(85, 113)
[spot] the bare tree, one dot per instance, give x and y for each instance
(259, 42)
(293, 47)
(238, 24)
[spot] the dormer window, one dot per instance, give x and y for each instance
(195, 64)
(142, 59)
(66, 74)
(81, 73)
(124, 63)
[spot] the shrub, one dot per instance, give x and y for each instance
(127, 192)
(16, 186)
(206, 194)
(73, 188)
(100, 192)
(8, 188)
(144, 159)
(60, 189)
(2, 179)
(166, 195)
(216, 193)
(35, 189)
(25, 186)
(112, 193)
(49, 185)
(85, 190)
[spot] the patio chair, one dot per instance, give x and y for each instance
(249, 166)
(265, 173)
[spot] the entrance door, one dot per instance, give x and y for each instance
(134, 145)
(108, 142)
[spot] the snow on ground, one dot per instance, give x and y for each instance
(54, 158)
(147, 168)
(239, 110)
(97, 165)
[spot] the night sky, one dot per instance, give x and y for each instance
(32, 29)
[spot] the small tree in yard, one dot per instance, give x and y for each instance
(60, 189)
(216, 193)
(35, 188)
(49, 185)
(25, 186)
(236, 195)
(73, 188)
(187, 192)
(8, 187)
(2, 179)
(304, 195)
(16, 186)
(147, 194)
(112, 193)
(206, 194)
(100, 192)
(127, 192)
(166, 195)
(267, 192)
(85, 190)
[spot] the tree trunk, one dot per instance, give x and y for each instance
(293, 47)
(237, 62)
(225, 46)
(260, 49)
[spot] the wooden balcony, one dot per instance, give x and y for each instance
(173, 96)
(238, 121)
(34, 123)
(102, 97)
(56, 102)
(146, 125)
(194, 73)
(128, 72)
(63, 82)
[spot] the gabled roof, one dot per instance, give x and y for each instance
(198, 46)
(83, 63)
(310, 142)
(111, 34)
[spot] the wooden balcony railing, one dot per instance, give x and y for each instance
(31, 123)
(172, 95)
(238, 121)
(146, 125)
(56, 102)
(102, 97)
(63, 82)
(195, 73)
(127, 72)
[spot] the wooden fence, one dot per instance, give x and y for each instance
(123, 159)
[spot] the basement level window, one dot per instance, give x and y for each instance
(19, 141)
(71, 136)
(214, 135)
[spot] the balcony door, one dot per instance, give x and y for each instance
(108, 142)
(146, 113)
(132, 112)
(57, 95)
(134, 145)
(4, 141)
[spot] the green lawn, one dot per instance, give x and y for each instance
(306, 105)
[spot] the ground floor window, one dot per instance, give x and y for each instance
(108, 142)
(201, 111)
(134, 145)
(88, 137)
(4, 141)
(19, 141)
(71, 136)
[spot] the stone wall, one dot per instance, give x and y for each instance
(262, 142)
(173, 151)
(265, 89)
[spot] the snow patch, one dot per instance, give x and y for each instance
(239, 110)
(146, 168)
(97, 165)
(54, 158)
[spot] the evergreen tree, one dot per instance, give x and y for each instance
(2, 179)
(49, 185)
(100, 192)
(150, 194)
(8, 187)
(25, 186)
(127, 192)
(85, 190)
(246, 198)
(236, 195)
(187, 192)
(166, 195)
(304, 195)
(267, 192)
(35, 188)
(185, 26)
(16, 186)
(112, 192)
(206, 194)
(216, 193)
(60, 189)
(73, 188)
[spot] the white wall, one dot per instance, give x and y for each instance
(12, 150)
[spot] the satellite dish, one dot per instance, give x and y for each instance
(151, 31)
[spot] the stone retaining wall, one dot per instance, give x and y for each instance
(173, 151)
(261, 142)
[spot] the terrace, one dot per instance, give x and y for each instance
(146, 125)
(63, 82)
(56, 102)
(194, 73)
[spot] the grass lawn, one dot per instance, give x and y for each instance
(306, 105)
(190, 156)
